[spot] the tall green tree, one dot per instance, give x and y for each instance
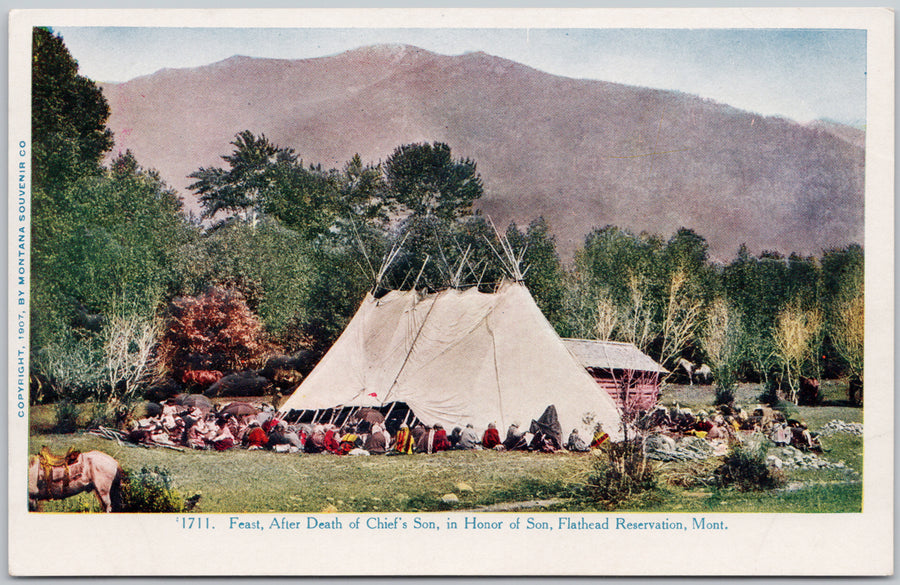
(111, 248)
(426, 180)
(263, 178)
(68, 119)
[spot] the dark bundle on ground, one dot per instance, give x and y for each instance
(164, 389)
(240, 384)
(548, 425)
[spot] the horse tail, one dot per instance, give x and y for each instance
(115, 490)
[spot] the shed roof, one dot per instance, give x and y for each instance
(611, 355)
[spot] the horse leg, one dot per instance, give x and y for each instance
(105, 501)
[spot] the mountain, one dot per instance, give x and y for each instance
(582, 153)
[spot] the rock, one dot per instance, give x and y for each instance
(329, 509)
(450, 498)
(464, 488)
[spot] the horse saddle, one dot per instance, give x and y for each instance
(58, 468)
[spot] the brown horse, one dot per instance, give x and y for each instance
(93, 470)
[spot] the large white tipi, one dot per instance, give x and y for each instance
(457, 357)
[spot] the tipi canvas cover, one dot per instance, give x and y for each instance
(457, 357)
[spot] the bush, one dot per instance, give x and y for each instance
(213, 331)
(66, 413)
(150, 490)
(745, 468)
(102, 414)
(621, 472)
(724, 395)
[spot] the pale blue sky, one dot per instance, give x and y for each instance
(798, 74)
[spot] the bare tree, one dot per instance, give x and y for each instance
(680, 319)
(797, 336)
(637, 318)
(607, 317)
(129, 344)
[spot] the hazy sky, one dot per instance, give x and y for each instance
(799, 74)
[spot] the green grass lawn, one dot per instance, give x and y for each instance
(259, 481)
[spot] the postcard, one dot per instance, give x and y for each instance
(427, 291)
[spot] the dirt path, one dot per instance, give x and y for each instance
(515, 506)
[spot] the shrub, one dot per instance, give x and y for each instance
(745, 468)
(724, 395)
(621, 472)
(150, 490)
(214, 331)
(66, 413)
(103, 414)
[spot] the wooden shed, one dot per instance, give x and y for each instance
(628, 375)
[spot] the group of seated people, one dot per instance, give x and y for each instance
(727, 421)
(195, 428)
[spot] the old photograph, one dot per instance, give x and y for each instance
(562, 279)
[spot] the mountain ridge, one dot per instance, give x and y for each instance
(582, 153)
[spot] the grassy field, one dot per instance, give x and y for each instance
(256, 481)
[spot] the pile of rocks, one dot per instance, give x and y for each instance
(839, 426)
(663, 448)
(793, 458)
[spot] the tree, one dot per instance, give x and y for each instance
(612, 258)
(427, 181)
(758, 288)
(238, 189)
(264, 178)
(637, 317)
(544, 276)
(848, 332)
(255, 261)
(362, 192)
(114, 241)
(796, 336)
(721, 340)
(213, 331)
(68, 119)
(681, 318)
(129, 348)
(607, 318)
(843, 273)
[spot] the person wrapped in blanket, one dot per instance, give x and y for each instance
(222, 439)
(331, 442)
(377, 440)
(350, 440)
(255, 438)
(515, 440)
(491, 438)
(468, 438)
(576, 443)
(315, 442)
(403, 442)
(437, 439)
(599, 438)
